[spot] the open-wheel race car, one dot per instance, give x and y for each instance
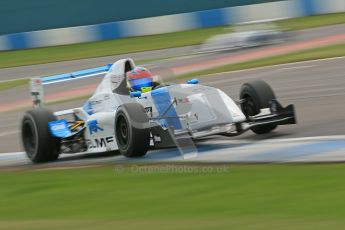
(115, 118)
(245, 36)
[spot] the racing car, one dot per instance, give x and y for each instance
(245, 36)
(133, 122)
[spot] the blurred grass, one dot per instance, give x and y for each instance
(312, 54)
(312, 21)
(241, 197)
(144, 43)
(104, 48)
(13, 83)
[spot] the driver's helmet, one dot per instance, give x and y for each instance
(139, 79)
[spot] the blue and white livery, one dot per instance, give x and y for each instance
(115, 119)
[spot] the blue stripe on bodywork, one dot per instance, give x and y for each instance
(162, 100)
(87, 107)
(75, 74)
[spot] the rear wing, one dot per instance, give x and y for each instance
(37, 84)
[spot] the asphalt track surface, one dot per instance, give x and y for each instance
(315, 87)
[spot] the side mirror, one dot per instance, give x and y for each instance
(193, 81)
(135, 94)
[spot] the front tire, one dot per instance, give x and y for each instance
(132, 130)
(257, 95)
(39, 145)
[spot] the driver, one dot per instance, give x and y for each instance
(140, 79)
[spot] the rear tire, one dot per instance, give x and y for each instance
(132, 130)
(39, 144)
(257, 95)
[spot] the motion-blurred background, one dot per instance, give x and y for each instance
(47, 23)
(297, 46)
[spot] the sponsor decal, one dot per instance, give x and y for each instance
(94, 127)
(58, 127)
(101, 142)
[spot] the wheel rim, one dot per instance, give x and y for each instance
(249, 107)
(122, 132)
(29, 138)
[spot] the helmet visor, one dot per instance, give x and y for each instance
(138, 84)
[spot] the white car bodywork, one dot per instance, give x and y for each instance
(202, 110)
(174, 115)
